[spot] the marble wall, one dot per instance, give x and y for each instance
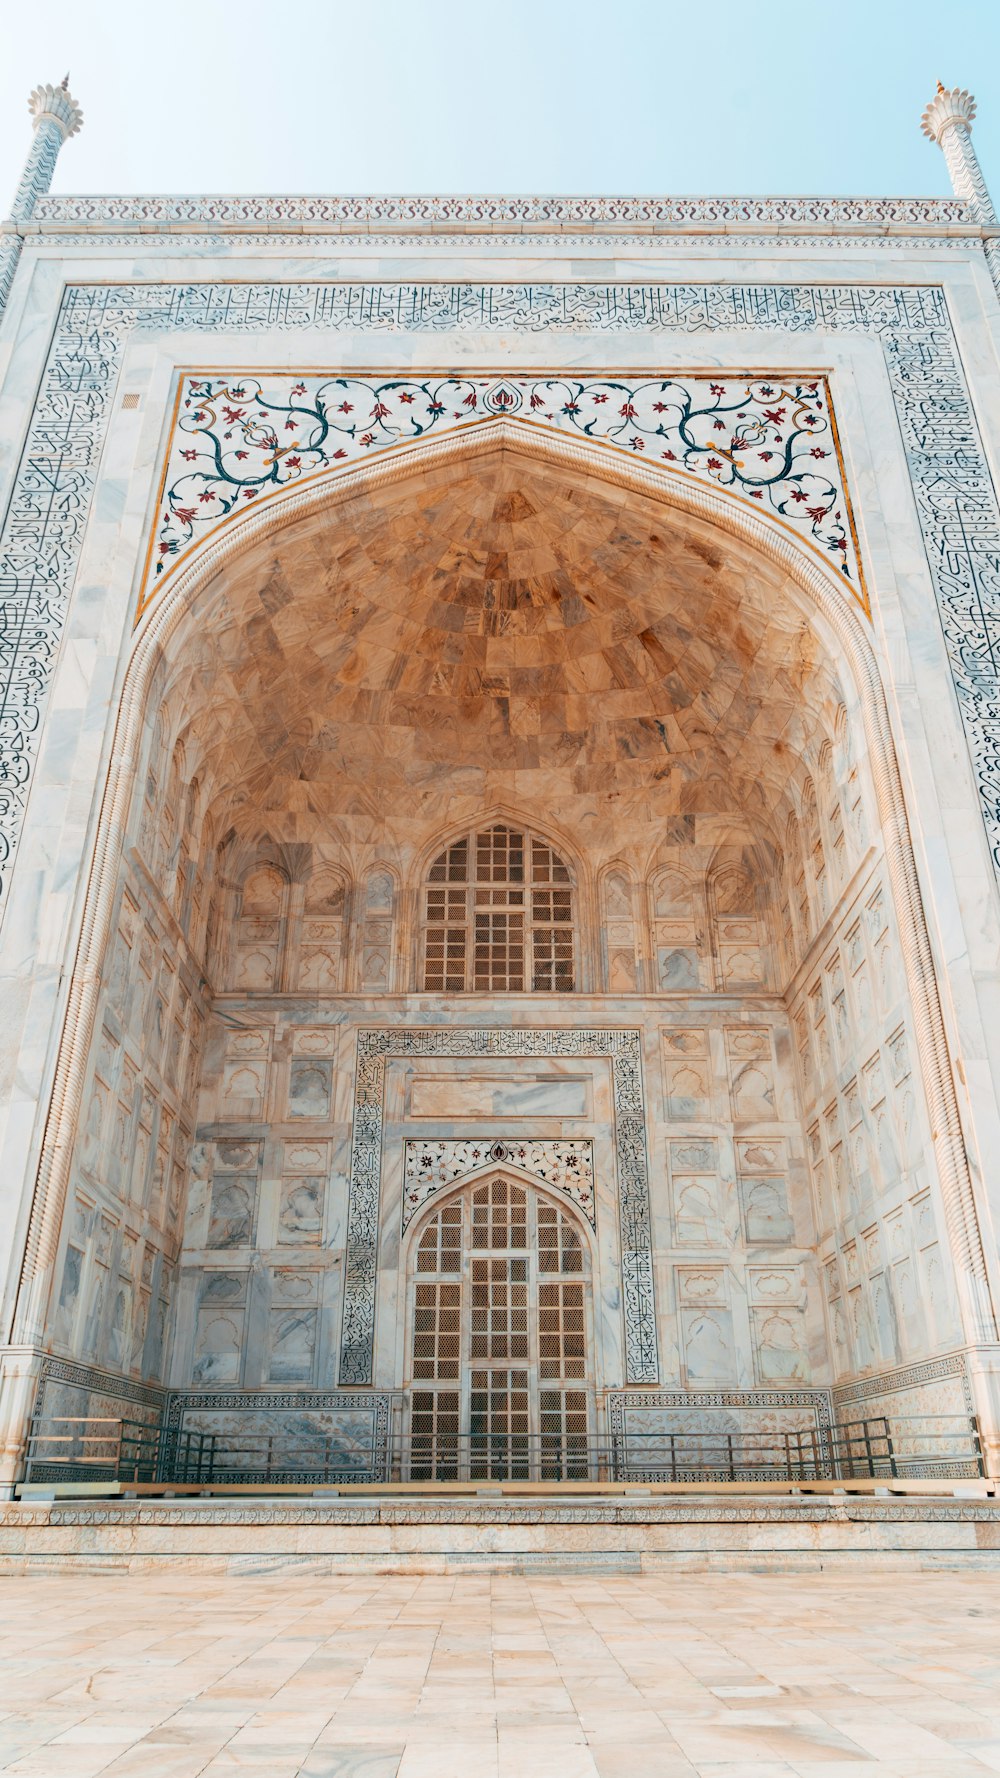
(125, 1217)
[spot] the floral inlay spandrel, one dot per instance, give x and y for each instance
(239, 439)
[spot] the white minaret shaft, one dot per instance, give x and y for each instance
(55, 116)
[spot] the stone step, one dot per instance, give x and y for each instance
(437, 1534)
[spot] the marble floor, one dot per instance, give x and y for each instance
(500, 1676)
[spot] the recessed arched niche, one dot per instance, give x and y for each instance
(575, 795)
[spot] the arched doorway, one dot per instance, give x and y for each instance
(685, 711)
(500, 1376)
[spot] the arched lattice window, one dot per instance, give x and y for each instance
(498, 916)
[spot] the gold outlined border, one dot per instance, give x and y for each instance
(149, 588)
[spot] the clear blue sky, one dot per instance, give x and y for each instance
(529, 96)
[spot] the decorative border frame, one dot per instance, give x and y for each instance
(620, 1403)
(50, 503)
(624, 1051)
(86, 1376)
(489, 211)
(376, 1402)
(844, 1395)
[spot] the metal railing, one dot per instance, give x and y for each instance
(867, 1449)
(91, 1448)
(66, 1448)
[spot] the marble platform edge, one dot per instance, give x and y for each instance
(264, 1510)
(642, 1562)
(438, 1537)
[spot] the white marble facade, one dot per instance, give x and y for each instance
(232, 1093)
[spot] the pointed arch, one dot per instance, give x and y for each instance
(500, 1371)
(618, 895)
(477, 1176)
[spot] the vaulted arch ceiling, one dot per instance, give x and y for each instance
(500, 630)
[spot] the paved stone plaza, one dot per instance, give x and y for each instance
(470, 1677)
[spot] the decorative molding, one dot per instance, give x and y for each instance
(623, 1401)
(238, 437)
(147, 1513)
(86, 1376)
(50, 502)
(623, 1051)
(429, 1167)
(488, 212)
(910, 1377)
(968, 238)
(821, 1510)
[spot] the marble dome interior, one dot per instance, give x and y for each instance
(507, 633)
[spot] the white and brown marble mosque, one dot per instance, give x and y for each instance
(499, 832)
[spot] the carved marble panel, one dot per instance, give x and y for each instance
(656, 1430)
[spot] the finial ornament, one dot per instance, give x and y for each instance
(951, 108)
(56, 104)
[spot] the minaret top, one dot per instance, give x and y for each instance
(950, 108)
(56, 104)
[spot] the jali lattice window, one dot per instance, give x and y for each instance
(499, 916)
(500, 1305)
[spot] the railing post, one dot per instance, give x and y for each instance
(977, 1444)
(29, 1448)
(890, 1450)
